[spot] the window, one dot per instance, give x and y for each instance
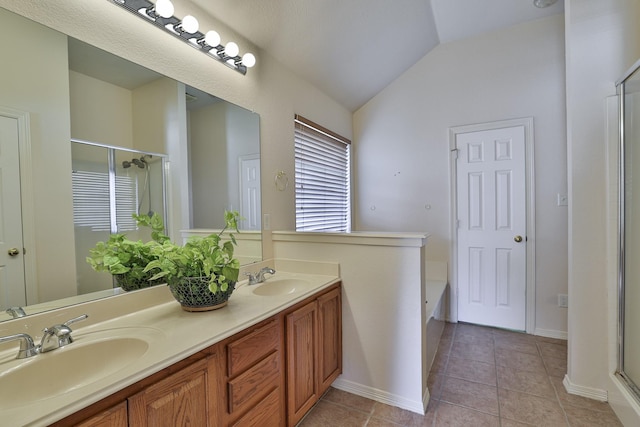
(91, 201)
(322, 178)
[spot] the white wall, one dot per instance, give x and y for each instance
(39, 68)
(603, 40)
(383, 315)
(512, 73)
(100, 112)
(208, 162)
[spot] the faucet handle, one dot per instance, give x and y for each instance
(253, 278)
(15, 312)
(58, 336)
(75, 319)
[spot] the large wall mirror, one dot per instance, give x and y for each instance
(55, 89)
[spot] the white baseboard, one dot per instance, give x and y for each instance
(382, 396)
(551, 333)
(589, 392)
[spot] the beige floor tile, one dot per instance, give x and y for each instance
(472, 370)
(510, 423)
(555, 367)
(548, 349)
(348, 399)
(330, 414)
(473, 330)
(401, 416)
(377, 422)
(517, 344)
(482, 352)
(434, 384)
(457, 416)
(567, 399)
(587, 417)
(445, 345)
(530, 409)
(481, 397)
(449, 330)
(513, 336)
(526, 382)
(520, 361)
(439, 362)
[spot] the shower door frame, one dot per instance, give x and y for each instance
(622, 145)
(111, 151)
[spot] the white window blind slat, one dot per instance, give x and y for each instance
(91, 201)
(322, 180)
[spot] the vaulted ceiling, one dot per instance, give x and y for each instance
(352, 49)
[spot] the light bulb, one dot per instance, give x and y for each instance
(248, 60)
(164, 8)
(212, 38)
(190, 24)
(231, 49)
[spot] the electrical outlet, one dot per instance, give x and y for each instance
(563, 300)
(266, 221)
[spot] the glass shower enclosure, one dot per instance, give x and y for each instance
(110, 184)
(629, 231)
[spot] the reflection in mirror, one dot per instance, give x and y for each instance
(110, 185)
(74, 91)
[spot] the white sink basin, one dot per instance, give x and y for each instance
(275, 287)
(89, 358)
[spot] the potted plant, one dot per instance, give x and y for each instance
(126, 259)
(202, 273)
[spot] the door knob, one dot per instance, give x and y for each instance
(518, 239)
(13, 252)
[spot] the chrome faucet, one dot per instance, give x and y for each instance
(57, 336)
(15, 312)
(27, 347)
(259, 276)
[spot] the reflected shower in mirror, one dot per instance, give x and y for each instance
(110, 185)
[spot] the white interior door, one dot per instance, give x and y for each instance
(491, 246)
(250, 192)
(12, 279)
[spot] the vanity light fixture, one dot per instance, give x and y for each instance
(187, 29)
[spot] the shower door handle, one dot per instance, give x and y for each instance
(13, 252)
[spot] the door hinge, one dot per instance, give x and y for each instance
(454, 153)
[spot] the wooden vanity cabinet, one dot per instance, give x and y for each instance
(313, 332)
(188, 397)
(268, 375)
(112, 417)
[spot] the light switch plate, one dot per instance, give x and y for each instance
(563, 200)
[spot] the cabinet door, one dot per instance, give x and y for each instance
(302, 389)
(329, 338)
(188, 397)
(114, 417)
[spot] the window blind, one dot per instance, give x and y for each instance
(91, 205)
(322, 179)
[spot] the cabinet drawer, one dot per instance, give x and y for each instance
(266, 413)
(247, 350)
(253, 384)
